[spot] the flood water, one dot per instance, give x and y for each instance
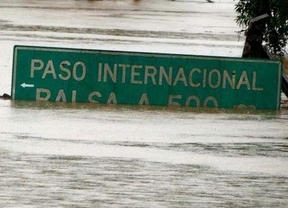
(89, 155)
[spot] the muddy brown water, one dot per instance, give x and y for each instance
(88, 155)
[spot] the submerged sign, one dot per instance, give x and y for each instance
(113, 77)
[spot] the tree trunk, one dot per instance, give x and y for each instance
(253, 49)
(253, 45)
(285, 76)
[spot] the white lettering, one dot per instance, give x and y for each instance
(144, 100)
(212, 99)
(36, 65)
(171, 100)
(163, 73)
(83, 74)
(135, 74)
(243, 81)
(112, 74)
(74, 95)
(180, 77)
(66, 70)
(193, 84)
(204, 77)
(92, 95)
(254, 83)
(49, 70)
(190, 98)
(61, 96)
(40, 96)
(226, 78)
(124, 69)
(150, 71)
(218, 78)
(99, 72)
(112, 99)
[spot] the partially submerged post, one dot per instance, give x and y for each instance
(254, 37)
(253, 47)
(5, 96)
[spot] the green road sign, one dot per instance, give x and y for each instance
(113, 77)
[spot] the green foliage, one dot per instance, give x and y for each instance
(274, 28)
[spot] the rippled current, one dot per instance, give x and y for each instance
(89, 155)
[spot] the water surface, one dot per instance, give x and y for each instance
(88, 155)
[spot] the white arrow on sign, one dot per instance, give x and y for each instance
(26, 85)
